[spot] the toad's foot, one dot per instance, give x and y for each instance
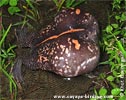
(16, 71)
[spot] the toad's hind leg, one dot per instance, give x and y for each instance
(16, 71)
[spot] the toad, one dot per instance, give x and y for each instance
(68, 47)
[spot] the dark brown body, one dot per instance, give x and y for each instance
(69, 46)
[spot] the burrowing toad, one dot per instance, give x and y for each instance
(68, 46)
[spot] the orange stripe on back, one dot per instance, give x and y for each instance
(63, 33)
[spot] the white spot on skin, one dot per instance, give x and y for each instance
(43, 32)
(53, 62)
(74, 61)
(64, 66)
(70, 27)
(69, 43)
(90, 59)
(65, 70)
(61, 58)
(66, 62)
(69, 70)
(61, 53)
(96, 47)
(61, 70)
(87, 61)
(62, 47)
(64, 11)
(89, 32)
(62, 15)
(57, 22)
(55, 52)
(82, 21)
(66, 59)
(55, 65)
(78, 69)
(85, 20)
(69, 39)
(74, 54)
(95, 23)
(60, 20)
(84, 67)
(89, 48)
(56, 57)
(87, 14)
(47, 31)
(68, 67)
(68, 55)
(72, 13)
(53, 29)
(95, 33)
(82, 64)
(65, 15)
(49, 26)
(66, 51)
(57, 46)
